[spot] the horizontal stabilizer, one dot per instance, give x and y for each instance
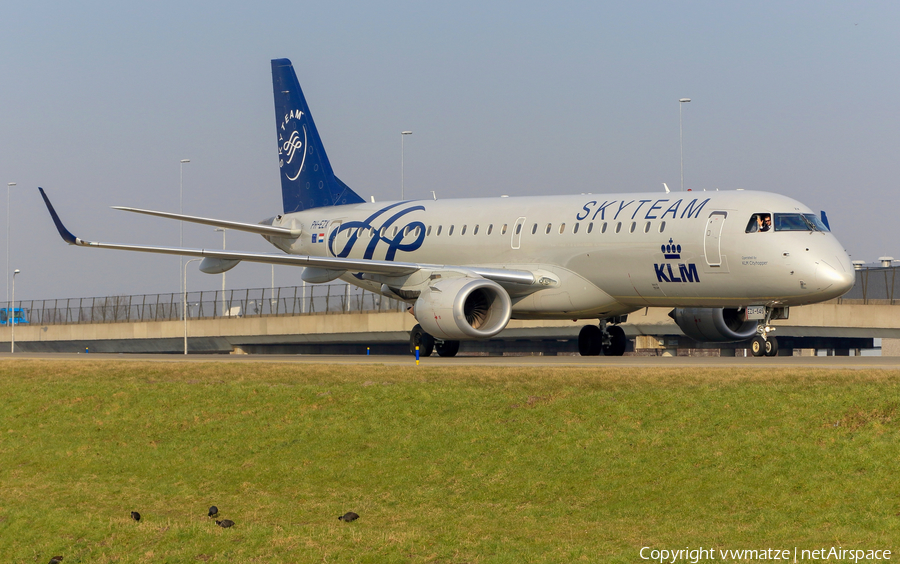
(268, 230)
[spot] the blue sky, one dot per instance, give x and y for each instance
(100, 100)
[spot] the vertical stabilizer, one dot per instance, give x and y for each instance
(307, 180)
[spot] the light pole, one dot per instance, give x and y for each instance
(222, 229)
(681, 103)
(402, 135)
(184, 302)
(181, 227)
(6, 272)
(11, 315)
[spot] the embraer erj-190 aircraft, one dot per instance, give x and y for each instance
(726, 262)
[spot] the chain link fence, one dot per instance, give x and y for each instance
(257, 302)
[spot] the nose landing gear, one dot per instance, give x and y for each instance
(763, 344)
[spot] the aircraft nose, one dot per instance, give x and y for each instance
(836, 276)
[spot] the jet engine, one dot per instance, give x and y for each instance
(463, 308)
(717, 325)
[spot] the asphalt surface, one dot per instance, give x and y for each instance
(836, 362)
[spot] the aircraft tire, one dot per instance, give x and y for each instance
(590, 341)
(758, 346)
(425, 342)
(447, 348)
(771, 346)
(618, 342)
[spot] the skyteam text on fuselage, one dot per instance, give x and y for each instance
(468, 266)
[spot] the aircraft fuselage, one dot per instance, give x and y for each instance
(606, 254)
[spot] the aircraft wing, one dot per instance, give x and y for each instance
(382, 267)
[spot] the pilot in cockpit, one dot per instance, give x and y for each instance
(760, 222)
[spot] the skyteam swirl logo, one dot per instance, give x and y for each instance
(367, 230)
(288, 148)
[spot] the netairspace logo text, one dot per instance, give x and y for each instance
(695, 555)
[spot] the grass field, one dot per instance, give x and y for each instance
(443, 465)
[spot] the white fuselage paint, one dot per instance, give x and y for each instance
(616, 261)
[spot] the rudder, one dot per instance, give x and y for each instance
(307, 179)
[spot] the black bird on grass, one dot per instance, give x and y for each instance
(56, 560)
(135, 515)
(225, 523)
(213, 511)
(349, 516)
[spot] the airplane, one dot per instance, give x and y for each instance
(726, 262)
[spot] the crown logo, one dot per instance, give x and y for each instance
(671, 250)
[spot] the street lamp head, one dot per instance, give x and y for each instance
(10, 183)
(684, 100)
(189, 160)
(406, 133)
(16, 271)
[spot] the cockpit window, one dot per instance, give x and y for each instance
(816, 221)
(759, 222)
(794, 222)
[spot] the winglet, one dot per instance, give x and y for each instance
(63, 232)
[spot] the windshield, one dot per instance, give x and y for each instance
(792, 222)
(818, 223)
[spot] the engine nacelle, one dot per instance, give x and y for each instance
(716, 325)
(463, 308)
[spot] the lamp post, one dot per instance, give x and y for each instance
(181, 227)
(184, 301)
(222, 229)
(6, 272)
(11, 315)
(681, 104)
(402, 135)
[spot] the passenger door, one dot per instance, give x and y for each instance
(712, 240)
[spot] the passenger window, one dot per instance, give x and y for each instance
(490, 228)
(534, 229)
(394, 234)
(759, 223)
(647, 228)
(450, 232)
(618, 227)
(603, 229)
(475, 231)
(575, 228)
(549, 226)
(518, 228)
(428, 232)
(562, 228)
(463, 232)
(440, 227)
(406, 230)
(662, 226)
(503, 230)
(383, 231)
(633, 227)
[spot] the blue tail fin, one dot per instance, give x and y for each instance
(307, 180)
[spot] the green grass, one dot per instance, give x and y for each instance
(443, 465)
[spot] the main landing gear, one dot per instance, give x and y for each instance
(763, 344)
(428, 344)
(605, 338)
